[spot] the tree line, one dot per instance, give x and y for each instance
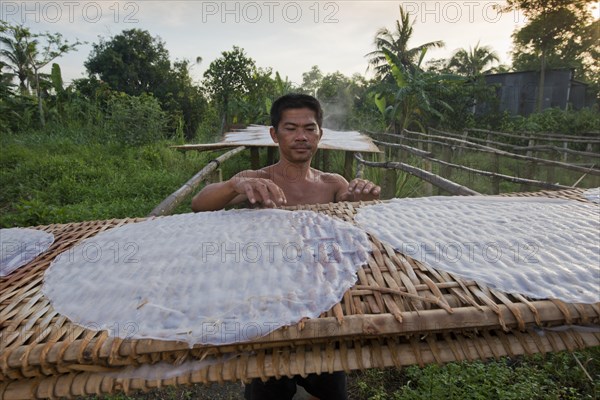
(135, 90)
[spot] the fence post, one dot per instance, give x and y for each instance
(445, 170)
(326, 164)
(488, 139)
(531, 144)
(464, 137)
(388, 183)
(348, 163)
(270, 155)
(254, 158)
(550, 170)
(565, 154)
(426, 164)
(496, 170)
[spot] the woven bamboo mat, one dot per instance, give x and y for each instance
(400, 312)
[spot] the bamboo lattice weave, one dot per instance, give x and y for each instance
(400, 312)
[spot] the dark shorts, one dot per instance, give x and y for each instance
(324, 386)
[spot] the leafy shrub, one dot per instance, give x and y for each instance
(554, 120)
(135, 120)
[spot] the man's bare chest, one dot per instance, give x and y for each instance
(307, 193)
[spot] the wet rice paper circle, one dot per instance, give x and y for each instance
(19, 246)
(208, 278)
(542, 248)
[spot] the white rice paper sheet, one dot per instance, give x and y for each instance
(592, 195)
(542, 248)
(19, 246)
(211, 278)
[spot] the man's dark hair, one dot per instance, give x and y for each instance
(295, 100)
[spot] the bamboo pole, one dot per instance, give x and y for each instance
(436, 180)
(487, 149)
(360, 168)
(410, 149)
(528, 148)
(547, 136)
(350, 356)
(170, 203)
(493, 175)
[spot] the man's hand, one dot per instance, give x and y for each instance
(361, 190)
(259, 190)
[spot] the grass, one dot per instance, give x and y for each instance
(48, 178)
(555, 376)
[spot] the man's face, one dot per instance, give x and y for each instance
(297, 134)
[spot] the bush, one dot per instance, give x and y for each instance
(554, 120)
(135, 120)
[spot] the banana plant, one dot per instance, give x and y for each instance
(415, 96)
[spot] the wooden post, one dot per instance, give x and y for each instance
(326, 163)
(531, 144)
(348, 165)
(388, 183)
(530, 171)
(388, 190)
(445, 170)
(271, 155)
(426, 165)
(488, 139)
(496, 170)
(550, 169)
(464, 137)
(254, 158)
(565, 154)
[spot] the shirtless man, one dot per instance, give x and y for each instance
(297, 128)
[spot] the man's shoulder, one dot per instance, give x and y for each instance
(331, 178)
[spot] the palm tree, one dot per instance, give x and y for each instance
(16, 49)
(473, 62)
(396, 42)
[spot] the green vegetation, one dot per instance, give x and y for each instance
(556, 376)
(56, 178)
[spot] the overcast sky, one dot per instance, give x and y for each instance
(289, 36)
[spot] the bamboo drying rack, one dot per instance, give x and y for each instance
(401, 312)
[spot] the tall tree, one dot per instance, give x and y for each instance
(228, 79)
(473, 62)
(555, 30)
(136, 63)
(132, 62)
(396, 42)
(311, 80)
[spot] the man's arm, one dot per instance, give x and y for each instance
(246, 185)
